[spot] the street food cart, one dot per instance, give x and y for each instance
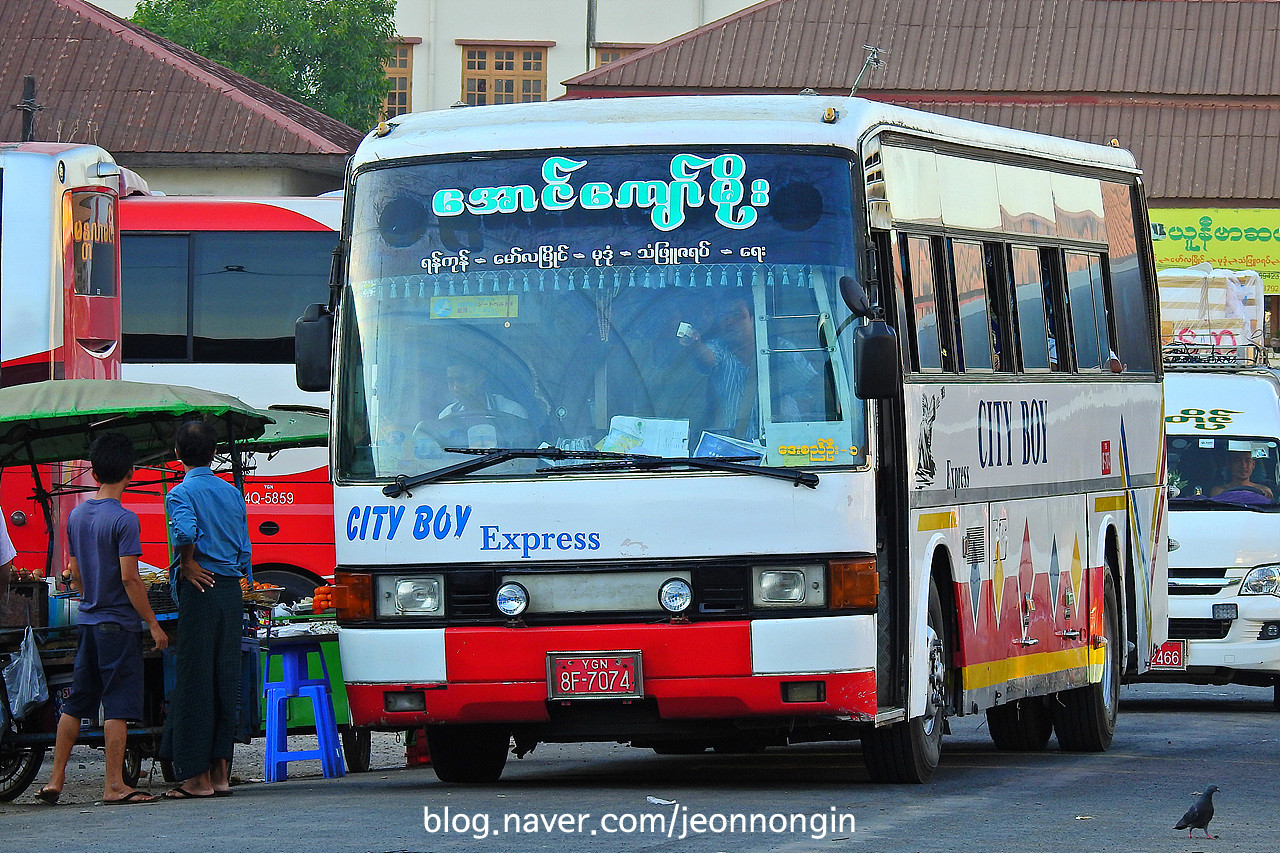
(55, 422)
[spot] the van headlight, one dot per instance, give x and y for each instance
(788, 586)
(410, 595)
(1263, 580)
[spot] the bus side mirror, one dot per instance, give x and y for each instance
(313, 347)
(855, 296)
(877, 365)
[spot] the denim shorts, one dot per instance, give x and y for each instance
(108, 671)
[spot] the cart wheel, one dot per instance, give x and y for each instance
(357, 744)
(18, 770)
(131, 768)
(166, 772)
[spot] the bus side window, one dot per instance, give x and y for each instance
(1088, 309)
(1055, 305)
(995, 258)
(925, 316)
(968, 272)
(1030, 309)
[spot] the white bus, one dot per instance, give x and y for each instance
(731, 422)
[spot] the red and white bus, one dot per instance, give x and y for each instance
(59, 295)
(211, 289)
(741, 421)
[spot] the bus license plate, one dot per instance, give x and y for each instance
(597, 675)
(1172, 654)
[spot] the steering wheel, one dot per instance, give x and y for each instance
(483, 429)
(1244, 493)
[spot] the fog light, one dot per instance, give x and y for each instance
(403, 701)
(804, 691)
(512, 599)
(1270, 631)
(675, 596)
(1226, 611)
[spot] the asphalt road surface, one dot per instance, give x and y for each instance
(1172, 741)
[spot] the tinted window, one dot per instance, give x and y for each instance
(1129, 302)
(922, 294)
(153, 269)
(969, 271)
(1028, 287)
(1087, 302)
(249, 288)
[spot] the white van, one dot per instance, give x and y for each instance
(1222, 428)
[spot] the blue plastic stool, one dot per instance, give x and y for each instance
(296, 683)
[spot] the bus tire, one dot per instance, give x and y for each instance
(909, 752)
(1020, 726)
(1084, 718)
(357, 748)
(468, 753)
(18, 769)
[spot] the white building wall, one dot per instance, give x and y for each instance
(437, 61)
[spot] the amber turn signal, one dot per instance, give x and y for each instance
(854, 584)
(353, 595)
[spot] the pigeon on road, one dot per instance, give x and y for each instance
(1200, 813)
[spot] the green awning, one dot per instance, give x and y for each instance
(293, 427)
(59, 419)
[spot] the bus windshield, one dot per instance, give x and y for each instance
(666, 303)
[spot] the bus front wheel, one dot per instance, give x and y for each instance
(468, 753)
(909, 752)
(1084, 718)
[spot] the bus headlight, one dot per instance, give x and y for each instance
(512, 599)
(789, 586)
(675, 596)
(1263, 580)
(418, 595)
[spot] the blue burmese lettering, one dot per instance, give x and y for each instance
(667, 201)
(494, 539)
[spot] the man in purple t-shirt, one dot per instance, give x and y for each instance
(104, 541)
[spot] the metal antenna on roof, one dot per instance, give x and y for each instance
(873, 61)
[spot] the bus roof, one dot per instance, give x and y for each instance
(714, 120)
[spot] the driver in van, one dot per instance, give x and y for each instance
(1240, 465)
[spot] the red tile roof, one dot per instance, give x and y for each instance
(103, 80)
(1191, 86)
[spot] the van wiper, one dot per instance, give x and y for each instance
(488, 457)
(730, 464)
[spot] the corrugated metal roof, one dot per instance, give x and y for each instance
(103, 80)
(1192, 87)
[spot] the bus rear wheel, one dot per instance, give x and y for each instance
(909, 752)
(1020, 726)
(468, 753)
(1084, 718)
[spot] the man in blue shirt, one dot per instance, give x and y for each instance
(103, 538)
(208, 526)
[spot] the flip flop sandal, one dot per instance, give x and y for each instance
(181, 793)
(132, 798)
(48, 796)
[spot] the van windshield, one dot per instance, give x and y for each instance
(1227, 470)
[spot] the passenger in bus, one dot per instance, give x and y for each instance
(1240, 484)
(728, 357)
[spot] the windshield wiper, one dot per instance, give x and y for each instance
(730, 464)
(607, 461)
(488, 457)
(1200, 501)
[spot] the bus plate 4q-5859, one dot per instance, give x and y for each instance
(594, 675)
(1172, 654)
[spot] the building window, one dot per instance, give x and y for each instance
(399, 70)
(503, 74)
(613, 52)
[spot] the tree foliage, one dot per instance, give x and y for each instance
(327, 54)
